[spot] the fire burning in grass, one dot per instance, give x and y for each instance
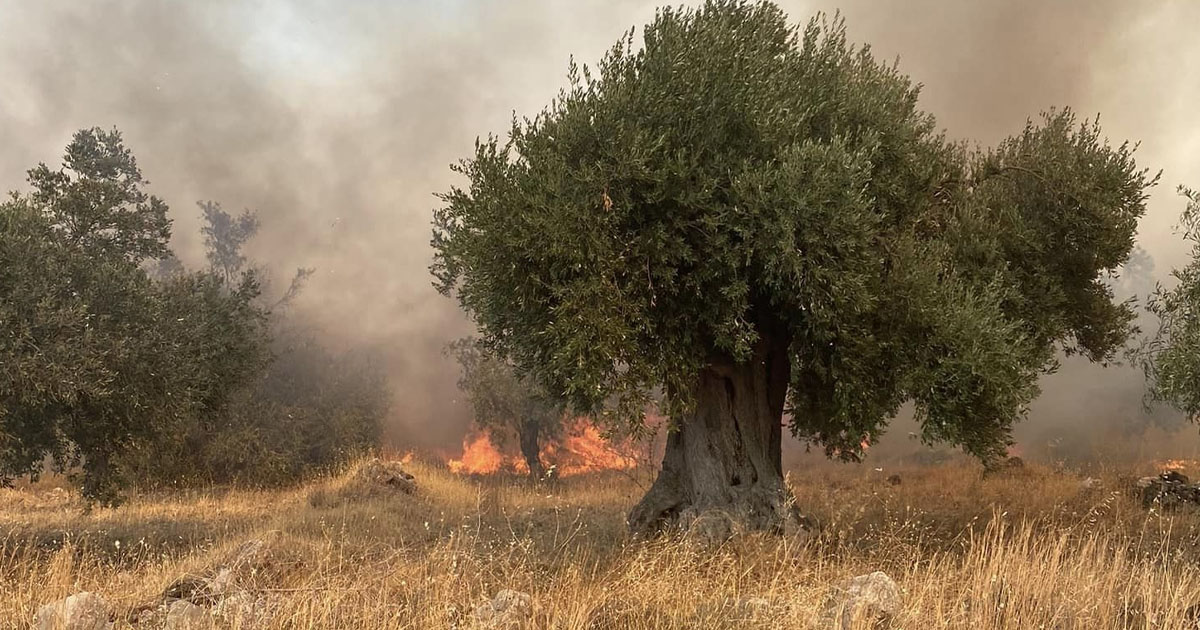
(582, 449)
(1177, 464)
(585, 450)
(481, 457)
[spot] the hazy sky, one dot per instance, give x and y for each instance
(337, 120)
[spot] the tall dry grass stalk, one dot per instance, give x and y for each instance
(1028, 550)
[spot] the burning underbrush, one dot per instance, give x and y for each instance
(1177, 465)
(582, 448)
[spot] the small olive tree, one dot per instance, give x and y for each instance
(279, 405)
(1172, 356)
(505, 402)
(119, 364)
(96, 359)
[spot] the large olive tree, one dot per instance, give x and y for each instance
(757, 220)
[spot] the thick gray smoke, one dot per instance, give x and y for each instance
(337, 122)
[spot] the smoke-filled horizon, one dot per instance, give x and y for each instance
(337, 122)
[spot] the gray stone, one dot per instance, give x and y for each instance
(1168, 490)
(506, 610)
(221, 584)
(245, 554)
(184, 615)
(81, 611)
(874, 597)
(242, 610)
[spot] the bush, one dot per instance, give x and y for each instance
(126, 377)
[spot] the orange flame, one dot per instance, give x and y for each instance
(864, 445)
(480, 457)
(583, 449)
(1177, 464)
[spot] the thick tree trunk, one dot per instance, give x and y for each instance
(528, 434)
(722, 471)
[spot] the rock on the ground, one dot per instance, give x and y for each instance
(874, 596)
(380, 473)
(242, 610)
(81, 611)
(222, 583)
(188, 587)
(506, 610)
(184, 615)
(211, 585)
(150, 616)
(201, 590)
(1170, 489)
(246, 554)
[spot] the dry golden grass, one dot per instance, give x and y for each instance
(1026, 550)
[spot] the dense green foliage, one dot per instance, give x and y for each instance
(735, 180)
(122, 376)
(96, 357)
(1172, 356)
(284, 406)
(308, 410)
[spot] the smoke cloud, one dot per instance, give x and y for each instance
(337, 122)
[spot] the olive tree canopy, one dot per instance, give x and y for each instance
(759, 220)
(96, 358)
(1172, 356)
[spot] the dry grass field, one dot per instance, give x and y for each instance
(1026, 549)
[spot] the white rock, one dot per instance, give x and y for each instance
(242, 610)
(506, 610)
(184, 615)
(873, 596)
(155, 617)
(220, 584)
(81, 611)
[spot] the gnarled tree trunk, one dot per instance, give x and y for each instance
(528, 435)
(722, 470)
